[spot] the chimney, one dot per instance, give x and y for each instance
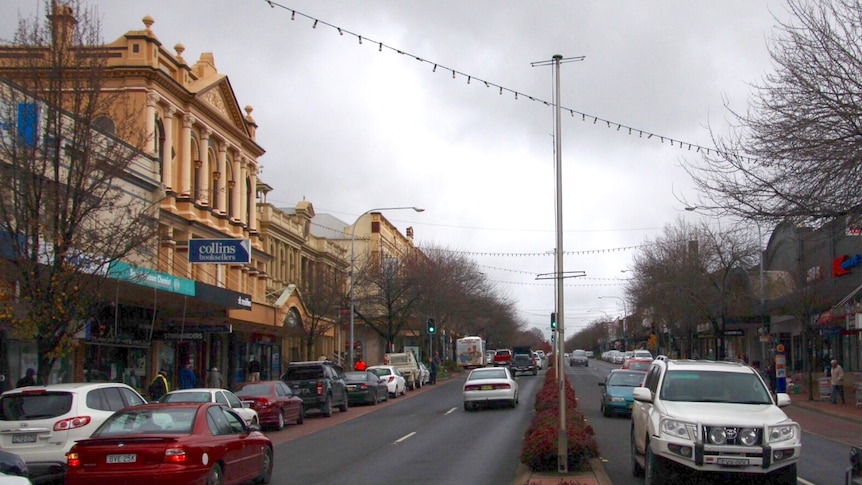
(410, 232)
(62, 24)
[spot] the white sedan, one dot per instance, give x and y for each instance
(221, 396)
(487, 385)
(393, 378)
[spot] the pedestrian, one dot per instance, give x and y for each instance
(253, 370)
(837, 381)
(214, 378)
(29, 378)
(187, 379)
(159, 386)
(360, 365)
(432, 370)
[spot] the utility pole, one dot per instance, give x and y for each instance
(559, 307)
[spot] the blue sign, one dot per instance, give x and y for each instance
(220, 251)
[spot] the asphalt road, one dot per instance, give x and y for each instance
(423, 438)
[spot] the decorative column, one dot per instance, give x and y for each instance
(252, 210)
(205, 184)
(243, 190)
(152, 101)
(168, 149)
(186, 161)
(236, 180)
(221, 176)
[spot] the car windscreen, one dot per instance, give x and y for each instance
(164, 420)
(26, 406)
(250, 390)
(399, 359)
(303, 373)
(356, 376)
(487, 374)
(187, 397)
(381, 371)
(626, 379)
(714, 386)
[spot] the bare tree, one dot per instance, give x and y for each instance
(323, 296)
(74, 198)
(791, 153)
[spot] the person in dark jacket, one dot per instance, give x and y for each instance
(432, 370)
(28, 380)
(187, 379)
(159, 386)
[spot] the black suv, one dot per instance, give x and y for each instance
(320, 384)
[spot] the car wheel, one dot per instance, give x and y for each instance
(215, 477)
(327, 407)
(655, 472)
(605, 412)
(375, 400)
(280, 424)
(467, 407)
(535, 372)
(255, 421)
(785, 476)
(344, 405)
(301, 418)
(265, 467)
(637, 469)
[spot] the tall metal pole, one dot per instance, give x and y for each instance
(352, 269)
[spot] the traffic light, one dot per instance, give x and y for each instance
(553, 321)
(431, 328)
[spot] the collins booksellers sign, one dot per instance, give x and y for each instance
(220, 251)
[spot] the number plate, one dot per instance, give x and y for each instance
(732, 461)
(125, 458)
(351, 388)
(487, 388)
(24, 438)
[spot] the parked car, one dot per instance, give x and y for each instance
(579, 357)
(41, 423)
(617, 391)
(711, 416)
(365, 387)
(642, 354)
(524, 364)
(319, 383)
(407, 365)
(396, 384)
(220, 396)
(12, 465)
(489, 385)
(637, 364)
(169, 443)
(502, 357)
(273, 401)
(539, 360)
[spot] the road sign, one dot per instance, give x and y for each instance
(220, 251)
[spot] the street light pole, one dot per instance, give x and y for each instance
(625, 327)
(352, 269)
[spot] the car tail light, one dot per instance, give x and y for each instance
(471, 387)
(363, 386)
(176, 455)
(391, 378)
(319, 389)
(71, 423)
(502, 386)
(73, 460)
(264, 402)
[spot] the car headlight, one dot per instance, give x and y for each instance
(782, 432)
(678, 429)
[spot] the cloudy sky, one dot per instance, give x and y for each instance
(360, 118)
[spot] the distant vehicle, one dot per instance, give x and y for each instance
(489, 356)
(391, 376)
(642, 354)
(617, 391)
(319, 383)
(408, 366)
(470, 352)
(489, 385)
(590, 354)
(274, 402)
(424, 374)
(539, 360)
(637, 364)
(172, 444)
(502, 357)
(579, 357)
(41, 423)
(221, 396)
(365, 387)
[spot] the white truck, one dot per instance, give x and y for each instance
(406, 363)
(470, 352)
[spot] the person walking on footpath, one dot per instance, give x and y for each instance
(159, 386)
(187, 379)
(29, 378)
(214, 379)
(837, 381)
(360, 365)
(432, 370)
(253, 370)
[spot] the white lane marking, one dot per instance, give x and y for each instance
(399, 440)
(804, 481)
(450, 411)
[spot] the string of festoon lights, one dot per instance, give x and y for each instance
(546, 253)
(471, 79)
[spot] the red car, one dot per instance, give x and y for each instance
(637, 364)
(274, 402)
(176, 443)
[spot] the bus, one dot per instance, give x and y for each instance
(470, 352)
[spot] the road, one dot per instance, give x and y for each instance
(425, 438)
(824, 452)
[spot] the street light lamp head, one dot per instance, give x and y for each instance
(419, 209)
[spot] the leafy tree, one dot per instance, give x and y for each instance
(68, 155)
(791, 153)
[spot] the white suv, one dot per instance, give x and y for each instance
(710, 416)
(41, 423)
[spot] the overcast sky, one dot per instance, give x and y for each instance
(352, 126)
